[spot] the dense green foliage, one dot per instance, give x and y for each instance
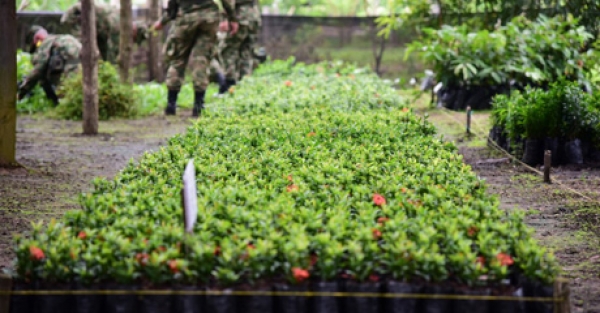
(525, 51)
(114, 99)
(564, 111)
(36, 101)
(320, 169)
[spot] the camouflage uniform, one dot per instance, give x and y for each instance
(57, 56)
(107, 28)
(194, 33)
(247, 62)
(238, 47)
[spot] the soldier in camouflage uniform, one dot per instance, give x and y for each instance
(238, 47)
(246, 64)
(194, 34)
(54, 56)
(107, 28)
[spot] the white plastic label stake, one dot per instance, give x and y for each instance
(190, 198)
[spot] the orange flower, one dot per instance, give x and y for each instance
(382, 220)
(82, 235)
(403, 190)
(405, 110)
(378, 199)
(311, 134)
(36, 253)
(480, 260)
(251, 246)
(288, 83)
(376, 233)
(162, 249)
(504, 259)
(472, 231)
(292, 188)
(231, 90)
(300, 274)
(217, 251)
(312, 87)
(173, 266)
(290, 178)
(142, 258)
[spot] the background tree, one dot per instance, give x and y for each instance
(154, 42)
(125, 41)
(89, 60)
(8, 82)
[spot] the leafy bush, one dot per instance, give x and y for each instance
(325, 174)
(525, 51)
(36, 101)
(114, 98)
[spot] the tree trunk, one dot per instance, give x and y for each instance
(89, 61)
(125, 41)
(378, 45)
(8, 82)
(154, 57)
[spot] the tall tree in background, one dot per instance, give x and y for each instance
(89, 60)
(8, 82)
(154, 42)
(125, 41)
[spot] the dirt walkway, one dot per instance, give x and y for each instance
(563, 222)
(60, 164)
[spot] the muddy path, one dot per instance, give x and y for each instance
(564, 222)
(59, 163)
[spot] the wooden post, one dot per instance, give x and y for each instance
(89, 62)
(562, 291)
(8, 82)
(154, 41)
(547, 166)
(5, 286)
(469, 120)
(125, 41)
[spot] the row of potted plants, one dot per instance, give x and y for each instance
(293, 188)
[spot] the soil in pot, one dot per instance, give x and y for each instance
(325, 304)
(362, 304)
(88, 303)
(534, 152)
(290, 304)
(183, 303)
(255, 304)
(54, 303)
(401, 305)
(225, 303)
(121, 303)
(573, 152)
(437, 305)
(472, 305)
(25, 303)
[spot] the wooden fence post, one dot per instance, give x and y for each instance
(469, 120)
(547, 166)
(8, 82)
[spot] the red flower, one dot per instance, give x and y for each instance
(300, 274)
(374, 278)
(382, 220)
(403, 190)
(472, 231)
(480, 260)
(311, 134)
(292, 188)
(161, 249)
(405, 110)
(376, 233)
(82, 235)
(504, 259)
(142, 258)
(378, 199)
(173, 266)
(251, 246)
(217, 251)
(36, 253)
(290, 178)
(288, 83)
(347, 276)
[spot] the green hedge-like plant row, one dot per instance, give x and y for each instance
(315, 176)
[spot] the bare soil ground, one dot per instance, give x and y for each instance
(59, 163)
(564, 222)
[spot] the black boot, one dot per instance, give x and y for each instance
(198, 103)
(222, 83)
(171, 102)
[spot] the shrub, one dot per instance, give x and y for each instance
(114, 99)
(36, 101)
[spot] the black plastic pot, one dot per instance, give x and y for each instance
(255, 304)
(573, 152)
(505, 306)
(91, 303)
(534, 152)
(538, 291)
(221, 304)
(54, 303)
(472, 305)
(401, 305)
(437, 305)
(325, 304)
(290, 304)
(555, 147)
(362, 304)
(118, 303)
(22, 304)
(189, 303)
(593, 154)
(156, 303)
